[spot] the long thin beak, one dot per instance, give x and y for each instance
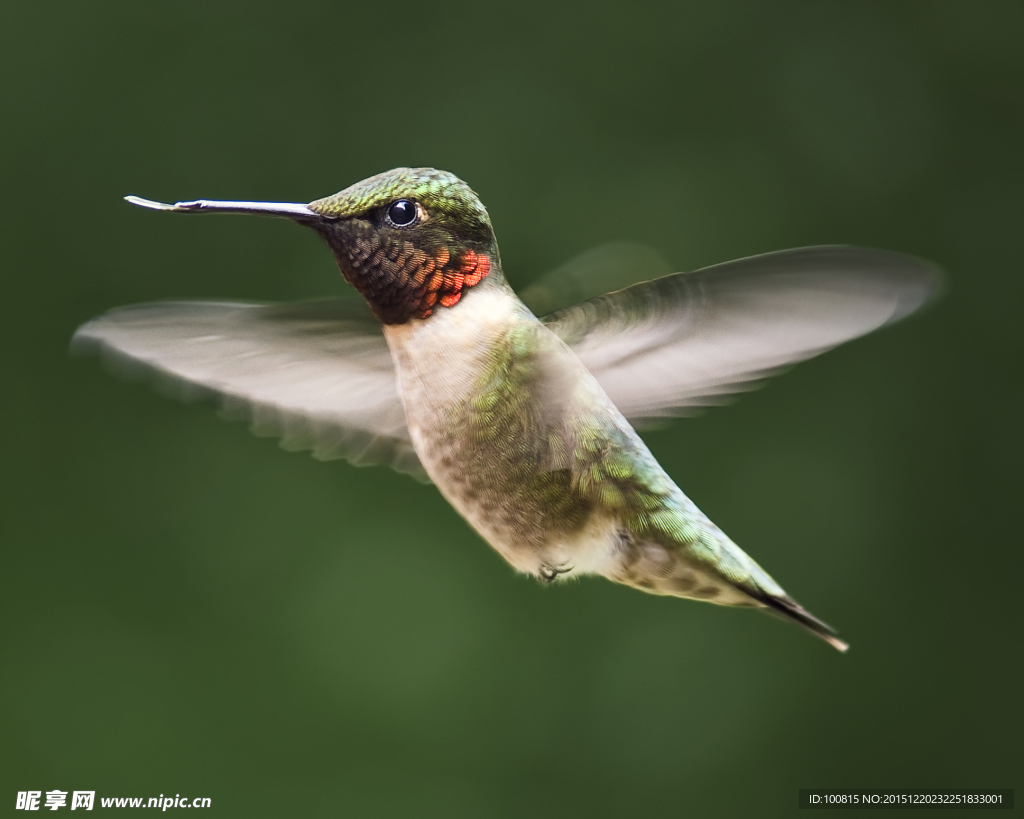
(286, 210)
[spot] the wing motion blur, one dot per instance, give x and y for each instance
(317, 374)
(320, 376)
(595, 272)
(663, 347)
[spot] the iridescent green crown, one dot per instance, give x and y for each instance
(439, 191)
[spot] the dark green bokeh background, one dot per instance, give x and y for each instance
(188, 609)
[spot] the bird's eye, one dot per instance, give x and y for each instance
(402, 213)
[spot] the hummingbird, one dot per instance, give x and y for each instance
(524, 423)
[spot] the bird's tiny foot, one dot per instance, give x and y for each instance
(549, 574)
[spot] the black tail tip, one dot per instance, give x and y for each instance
(788, 609)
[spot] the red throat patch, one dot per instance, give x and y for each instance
(444, 279)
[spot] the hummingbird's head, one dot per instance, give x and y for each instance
(411, 240)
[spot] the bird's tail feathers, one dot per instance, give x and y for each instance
(786, 608)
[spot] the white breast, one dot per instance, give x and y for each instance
(440, 361)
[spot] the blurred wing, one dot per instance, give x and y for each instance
(601, 269)
(317, 374)
(689, 340)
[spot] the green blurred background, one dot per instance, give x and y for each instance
(188, 609)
